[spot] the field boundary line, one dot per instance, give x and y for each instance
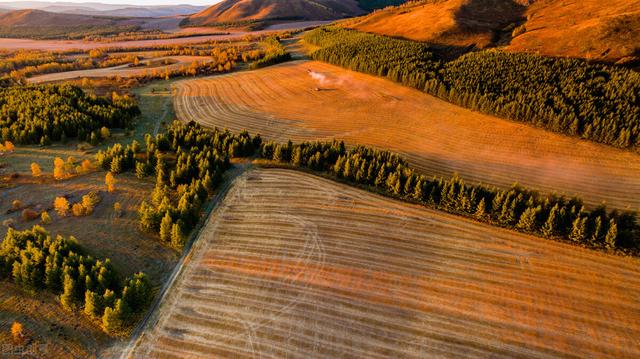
(193, 244)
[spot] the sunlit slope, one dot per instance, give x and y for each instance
(229, 11)
(587, 28)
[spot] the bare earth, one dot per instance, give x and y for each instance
(293, 265)
(122, 70)
(289, 102)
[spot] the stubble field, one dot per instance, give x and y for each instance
(316, 101)
(292, 265)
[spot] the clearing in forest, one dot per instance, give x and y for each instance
(317, 101)
(293, 265)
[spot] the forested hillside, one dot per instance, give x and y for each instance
(41, 114)
(597, 102)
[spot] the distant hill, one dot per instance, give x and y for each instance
(229, 11)
(587, 28)
(99, 9)
(38, 18)
(38, 24)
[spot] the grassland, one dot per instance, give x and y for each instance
(293, 265)
(560, 28)
(312, 100)
(102, 234)
(51, 332)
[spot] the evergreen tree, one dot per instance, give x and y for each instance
(480, 209)
(165, 227)
(91, 304)
(549, 229)
(177, 238)
(612, 234)
(68, 296)
(528, 219)
(579, 229)
(596, 236)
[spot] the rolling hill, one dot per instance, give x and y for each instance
(99, 9)
(248, 10)
(40, 24)
(39, 18)
(230, 11)
(585, 28)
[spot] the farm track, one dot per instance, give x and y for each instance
(293, 265)
(286, 102)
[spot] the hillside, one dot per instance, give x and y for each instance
(449, 22)
(553, 27)
(98, 9)
(37, 18)
(585, 28)
(250, 10)
(39, 24)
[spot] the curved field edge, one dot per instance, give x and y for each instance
(296, 265)
(306, 101)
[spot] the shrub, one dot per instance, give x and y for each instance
(61, 205)
(17, 332)
(45, 218)
(29, 215)
(35, 170)
(16, 204)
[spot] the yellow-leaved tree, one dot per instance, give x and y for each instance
(61, 205)
(36, 171)
(110, 181)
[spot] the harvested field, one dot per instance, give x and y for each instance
(293, 265)
(313, 100)
(176, 62)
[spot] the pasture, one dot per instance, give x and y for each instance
(292, 265)
(317, 101)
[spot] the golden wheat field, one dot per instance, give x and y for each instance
(312, 100)
(293, 265)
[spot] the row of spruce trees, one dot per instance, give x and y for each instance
(597, 102)
(187, 162)
(37, 261)
(46, 113)
(518, 208)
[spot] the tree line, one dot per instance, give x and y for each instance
(597, 102)
(187, 162)
(38, 261)
(518, 208)
(274, 53)
(46, 113)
